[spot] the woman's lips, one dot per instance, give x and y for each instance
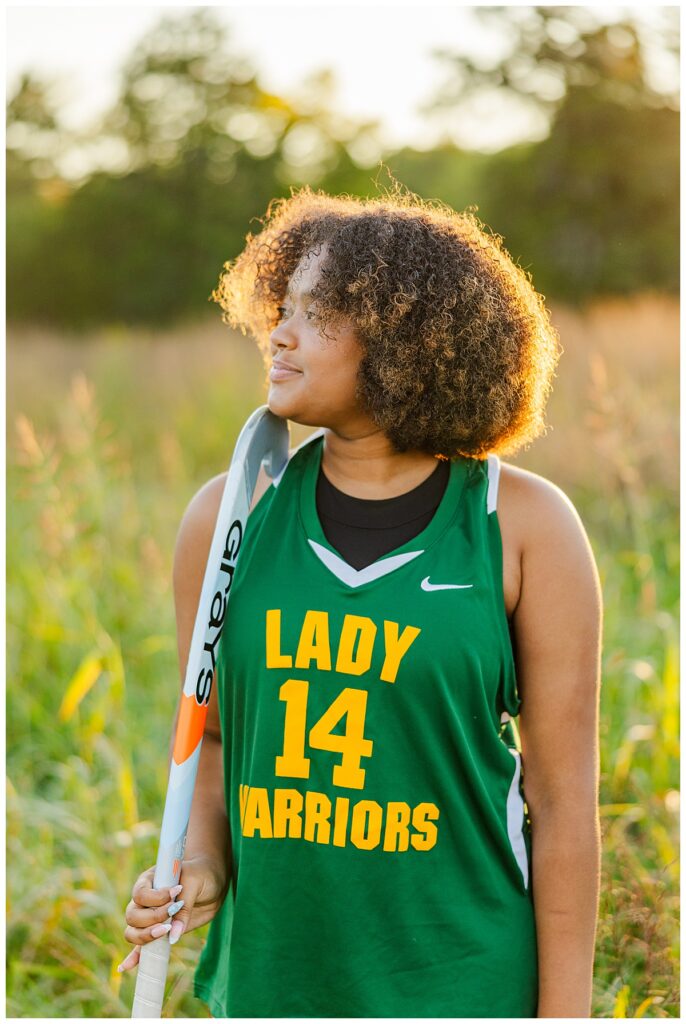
(282, 373)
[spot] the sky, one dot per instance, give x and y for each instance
(87, 45)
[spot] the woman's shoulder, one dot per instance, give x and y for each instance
(543, 534)
(196, 529)
(533, 503)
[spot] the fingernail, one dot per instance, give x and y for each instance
(175, 891)
(160, 929)
(176, 932)
(173, 907)
(124, 965)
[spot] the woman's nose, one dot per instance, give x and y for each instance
(283, 336)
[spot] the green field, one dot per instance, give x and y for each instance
(107, 441)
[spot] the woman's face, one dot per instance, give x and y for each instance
(322, 390)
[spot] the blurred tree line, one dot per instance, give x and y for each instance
(194, 148)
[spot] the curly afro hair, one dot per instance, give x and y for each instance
(459, 349)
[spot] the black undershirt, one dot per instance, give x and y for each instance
(363, 529)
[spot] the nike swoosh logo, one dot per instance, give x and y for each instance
(444, 586)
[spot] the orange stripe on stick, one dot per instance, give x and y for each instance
(190, 728)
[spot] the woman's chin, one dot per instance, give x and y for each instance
(281, 405)
(289, 411)
(278, 404)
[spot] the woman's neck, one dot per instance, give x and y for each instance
(366, 465)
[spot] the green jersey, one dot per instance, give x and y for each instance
(380, 846)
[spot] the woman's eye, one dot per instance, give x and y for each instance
(281, 311)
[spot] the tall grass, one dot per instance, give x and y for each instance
(107, 443)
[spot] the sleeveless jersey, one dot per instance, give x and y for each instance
(380, 861)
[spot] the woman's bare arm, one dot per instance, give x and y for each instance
(558, 630)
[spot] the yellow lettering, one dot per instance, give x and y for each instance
(397, 835)
(243, 797)
(355, 645)
(317, 818)
(293, 761)
(420, 814)
(257, 816)
(288, 803)
(340, 820)
(396, 648)
(275, 659)
(352, 745)
(354, 627)
(365, 830)
(314, 642)
(317, 813)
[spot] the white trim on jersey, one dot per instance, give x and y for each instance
(515, 819)
(357, 577)
(493, 481)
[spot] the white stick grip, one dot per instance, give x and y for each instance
(152, 974)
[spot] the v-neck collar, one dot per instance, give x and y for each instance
(416, 546)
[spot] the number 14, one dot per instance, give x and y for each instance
(351, 744)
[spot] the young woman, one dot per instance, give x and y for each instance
(370, 835)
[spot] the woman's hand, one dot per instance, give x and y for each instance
(152, 913)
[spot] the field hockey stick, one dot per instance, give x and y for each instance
(262, 441)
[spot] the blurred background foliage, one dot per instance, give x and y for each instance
(194, 148)
(126, 393)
